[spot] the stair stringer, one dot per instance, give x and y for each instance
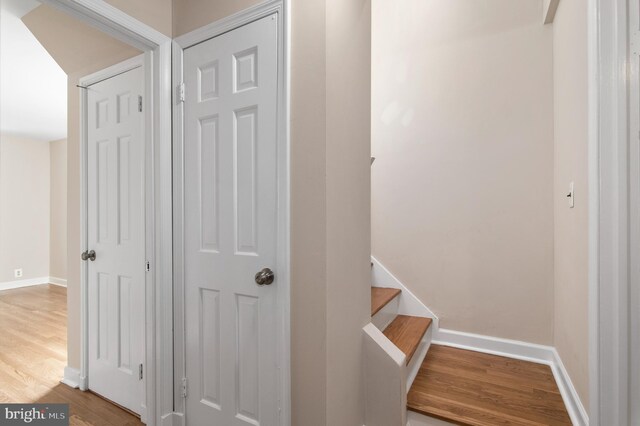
(409, 303)
(384, 380)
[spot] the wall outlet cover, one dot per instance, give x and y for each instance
(17, 273)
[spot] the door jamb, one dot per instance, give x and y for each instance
(281, 7)
(159, 285)
(613, 225)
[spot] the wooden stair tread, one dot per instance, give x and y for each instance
(406, 333)
(380, 296)
(471, 388)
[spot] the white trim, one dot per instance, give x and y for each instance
(72, 378)
(610, 218)
(281, 7)
(524, 351)
(58, 281)
(549, 8)
(10, 285)
(409, 303)
(157, 48)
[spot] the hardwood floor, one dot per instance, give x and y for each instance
(471, 388)
(33, 354)
(406, 333)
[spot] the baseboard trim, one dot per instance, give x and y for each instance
(58, 281)
(72, 378)
(515, 349)
(172, 419)
(10, 285)
(29, 282)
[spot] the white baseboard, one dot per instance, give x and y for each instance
(58, 281)
(10, 285)
(172, 419)
(72, 378)
(523, 351)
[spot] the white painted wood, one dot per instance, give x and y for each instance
(384, 380)
(116, 231)
(409, 303)
(576, 410)
(611, 222)
(387, 314)
(634, 206)
(549, 8)
(9, 285)
(72, 378)
(230, 226)
(418, 357)
(283, 259)
(58, 281)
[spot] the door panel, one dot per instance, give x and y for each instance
(116, 233)
(230, 200)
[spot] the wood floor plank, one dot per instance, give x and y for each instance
(33, 354)
(406, 333)
(380, 296)
(471, 388)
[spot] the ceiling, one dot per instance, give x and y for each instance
(33, 88)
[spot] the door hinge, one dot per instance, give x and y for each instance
(140, 103)
(180, 92)
(184, 387)
(140, 372)
(147, 266)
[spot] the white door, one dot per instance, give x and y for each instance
(230, 227)
(115, 225)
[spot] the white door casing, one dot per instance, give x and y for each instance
(230, 227)
(116, 232)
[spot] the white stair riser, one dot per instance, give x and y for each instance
(387, 314)
(418, 358)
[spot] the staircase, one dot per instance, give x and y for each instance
(406, 387)
(398, 339)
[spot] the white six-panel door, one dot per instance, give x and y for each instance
(230, 211)
(115, 225)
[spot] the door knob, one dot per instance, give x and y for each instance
(88, 255)
(265, 277)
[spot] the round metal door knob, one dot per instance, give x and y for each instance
(265, 277)
(89, 255)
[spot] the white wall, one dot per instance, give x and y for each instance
(24, 208)
(571, 334)
(462, 188)
(58, 191)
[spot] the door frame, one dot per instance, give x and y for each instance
(281, 7)
(614, 225)
(156, 46)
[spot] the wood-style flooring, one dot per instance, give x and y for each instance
(472, 388)
(33, 354)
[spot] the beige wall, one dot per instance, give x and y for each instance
(571, 225)
(348, 177)
(155, 13)
(79, 50)
(191, 14)
(24, 208)
(462, 188)
(58, 209)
